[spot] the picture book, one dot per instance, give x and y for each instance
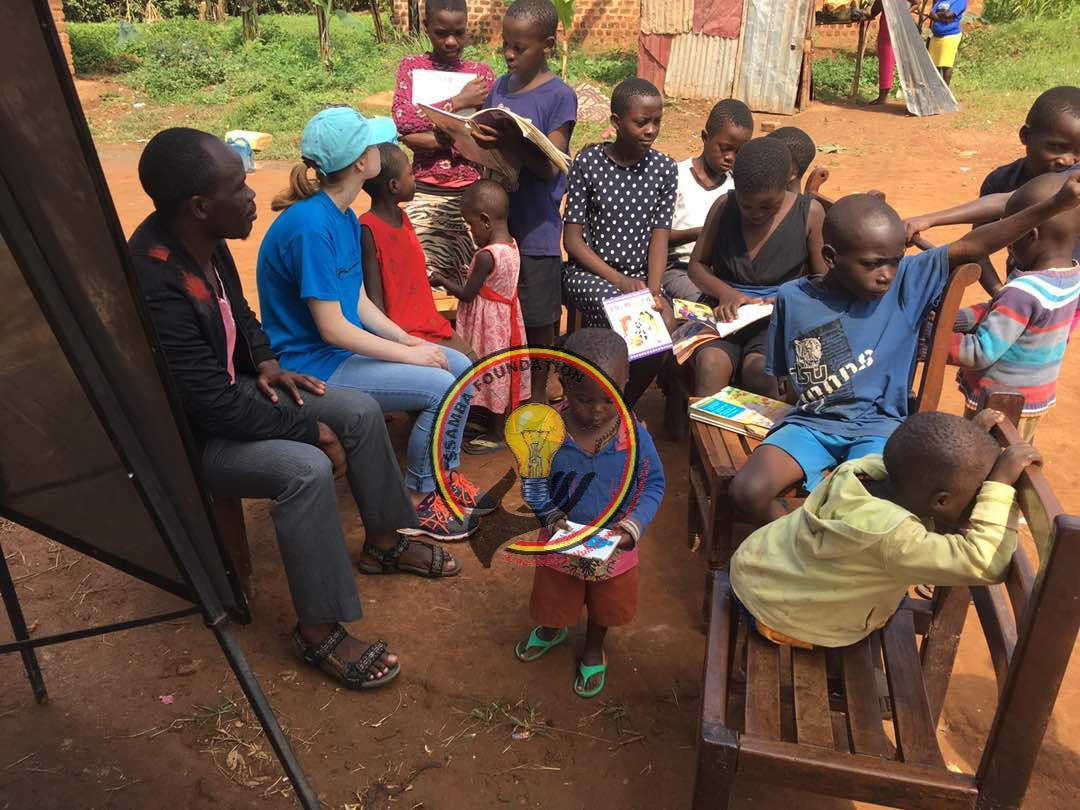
(734, 409)
(431, 86)
(701, 325)
(633, 317)
(599, 546)
(461, 129)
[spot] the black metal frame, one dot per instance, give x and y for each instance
(198, 586)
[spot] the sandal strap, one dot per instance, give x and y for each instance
(587, 672)
(388, 556)
(316, 655)
(438, 557)
(357, 671)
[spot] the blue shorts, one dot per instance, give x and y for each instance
(817, 452)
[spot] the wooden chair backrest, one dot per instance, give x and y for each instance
(930, 376)
(1031, 623)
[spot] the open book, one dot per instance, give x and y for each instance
(461, 128)
(632, 315)
(701, 325)
(598, 546)
(740, 411)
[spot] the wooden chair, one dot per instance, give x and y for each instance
(716, 455)
(775, 714)
(229, 514)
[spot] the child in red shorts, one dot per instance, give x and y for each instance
(588, 469)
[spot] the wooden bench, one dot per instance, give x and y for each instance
(812, 720)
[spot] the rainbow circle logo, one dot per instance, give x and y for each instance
(455, 409)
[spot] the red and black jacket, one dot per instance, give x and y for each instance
(192, 335)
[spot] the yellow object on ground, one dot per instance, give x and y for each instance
(257, 140)
(943, 50)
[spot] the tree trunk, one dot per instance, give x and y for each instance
(414, 18)
(250, 15)
(324, 37)
(566, 59)
(380, 34)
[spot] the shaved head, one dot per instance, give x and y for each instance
(856, 215)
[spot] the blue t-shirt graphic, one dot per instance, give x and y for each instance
(851, 361)
(312, 251)
(957, 7)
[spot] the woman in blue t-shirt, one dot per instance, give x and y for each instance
(321, 322)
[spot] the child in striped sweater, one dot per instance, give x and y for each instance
(1019, 337)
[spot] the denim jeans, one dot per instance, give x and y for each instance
(298, 479)
(403, 387)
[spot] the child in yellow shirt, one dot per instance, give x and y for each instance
(834, 570)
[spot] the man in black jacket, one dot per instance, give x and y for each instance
(267, 432)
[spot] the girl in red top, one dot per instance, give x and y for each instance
(441, 173)
(395, 268)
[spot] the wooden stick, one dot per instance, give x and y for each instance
(858, 59)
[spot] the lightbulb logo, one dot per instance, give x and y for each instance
(534, 434)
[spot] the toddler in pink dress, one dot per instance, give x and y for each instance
(489, 317)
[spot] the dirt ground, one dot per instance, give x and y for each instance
(153, 716)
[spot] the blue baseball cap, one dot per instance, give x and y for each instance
(338, 136)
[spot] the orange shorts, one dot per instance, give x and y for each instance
(557, 598)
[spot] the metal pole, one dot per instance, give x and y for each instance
(265, 713)
(18, 626)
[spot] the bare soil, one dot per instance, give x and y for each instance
(152, 716)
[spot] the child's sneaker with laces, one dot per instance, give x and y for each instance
(469, 497)
(435, 520)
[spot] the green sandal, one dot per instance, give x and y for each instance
(538, 643)
(585, 674)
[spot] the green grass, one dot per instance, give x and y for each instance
(1000, 69)
(203, 75)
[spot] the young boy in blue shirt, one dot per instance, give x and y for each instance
(846, 342)
(945, 34)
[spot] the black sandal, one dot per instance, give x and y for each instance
(389, 560)
(351, 674)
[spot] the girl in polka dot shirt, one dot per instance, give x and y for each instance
(618, 217)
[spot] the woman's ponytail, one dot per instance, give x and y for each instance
(301, 186)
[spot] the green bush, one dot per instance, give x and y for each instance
(104, 10)
(181, 56)
(997, 11)
(96, 49)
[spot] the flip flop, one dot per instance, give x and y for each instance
(584, 674)
(535, 642)
(473, 430)
(482, 446)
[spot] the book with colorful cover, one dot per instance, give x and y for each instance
(636, 320)
(740, 411)
(701, 326)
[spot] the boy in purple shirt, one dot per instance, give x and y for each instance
(531, 90)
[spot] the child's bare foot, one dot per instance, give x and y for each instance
(883, 97)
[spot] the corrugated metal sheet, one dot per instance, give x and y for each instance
(654, 52)
(925, 92)
(772, 49)
(666, 16)
(701, 67)
(718, 18)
